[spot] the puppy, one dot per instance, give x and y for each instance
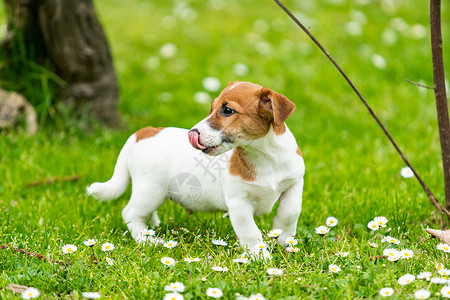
(241, 159)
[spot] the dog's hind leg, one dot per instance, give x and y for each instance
(145, 200)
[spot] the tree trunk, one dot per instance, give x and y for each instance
(73, 41)
(440, 94)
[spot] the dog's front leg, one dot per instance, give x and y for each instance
(288, 212)
(241, 216)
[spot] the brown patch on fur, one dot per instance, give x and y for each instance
(299, 152)
(277, 107)
(147, 132)
(241, 166)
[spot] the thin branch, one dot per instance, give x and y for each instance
(420, 85)
(439, 93)
(430, 195)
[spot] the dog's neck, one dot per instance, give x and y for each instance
(269, 148)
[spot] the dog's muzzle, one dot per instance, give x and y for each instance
(194, 139)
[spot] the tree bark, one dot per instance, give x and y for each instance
(73, 40)
(440, 93)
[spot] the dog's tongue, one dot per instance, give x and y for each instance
(193, 139)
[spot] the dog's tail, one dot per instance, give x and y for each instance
(113, 188)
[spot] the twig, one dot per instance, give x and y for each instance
(420, 85)
(372, 258)
(430, 195)
(33, 254)
(439, 92)
(53, 180)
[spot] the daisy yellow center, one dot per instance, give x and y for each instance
(275, 234)
(334, 269)
(374, 225)
(107, 247)
(406, 254)
(445, 248)
(170, 244)
(381, 223)
(386, 293)
(173, 298)
(439, 267)
(261, 247)
(393, 241)
(407, 280)
(69, 249)
(331, 222)
(321, 231)
(30, 294)
(214, 292)
(167, 262)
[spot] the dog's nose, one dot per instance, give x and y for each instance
(194, 139)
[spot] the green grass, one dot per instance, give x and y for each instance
(352, 170)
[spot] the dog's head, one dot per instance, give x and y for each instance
(242, 112)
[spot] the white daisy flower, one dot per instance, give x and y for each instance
(438, 280)
(322, 230)
(274, 272)
(168, 261)
(149, 232)
(439, 266)
(219, 242)
(109, 261)
(241, 260)
(445, 291)
(372, 225)
(168, 50)
(91, 295)
(342, 254)
(174, 287)
(214, 292)
(379, 61)
(406, 279)
(30, 293)
(292, 249)
(444, 272)
(381, 221)
(331, 221)
(422, 294)
(170, 244)
(443, 247)
(256, 297)
(375, 245)
(219, 269)
(191, 259)
(240, 69)
(107, 247)
(406, 254)
(173, 296)
(260, 246)
(386, 292)
(391, 240)
(291, 241)
(69, 248)
(90, 242)
(202, 97)
(274, 233)
(211, 84)
(395, 257)
(406, 172)
(424, 275)
(334, 268)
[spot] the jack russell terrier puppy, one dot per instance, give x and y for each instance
(241, 159)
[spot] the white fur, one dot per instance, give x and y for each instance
(160, 164)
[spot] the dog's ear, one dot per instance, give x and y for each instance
(275, 106)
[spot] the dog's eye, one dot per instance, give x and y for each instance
(226, 111)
